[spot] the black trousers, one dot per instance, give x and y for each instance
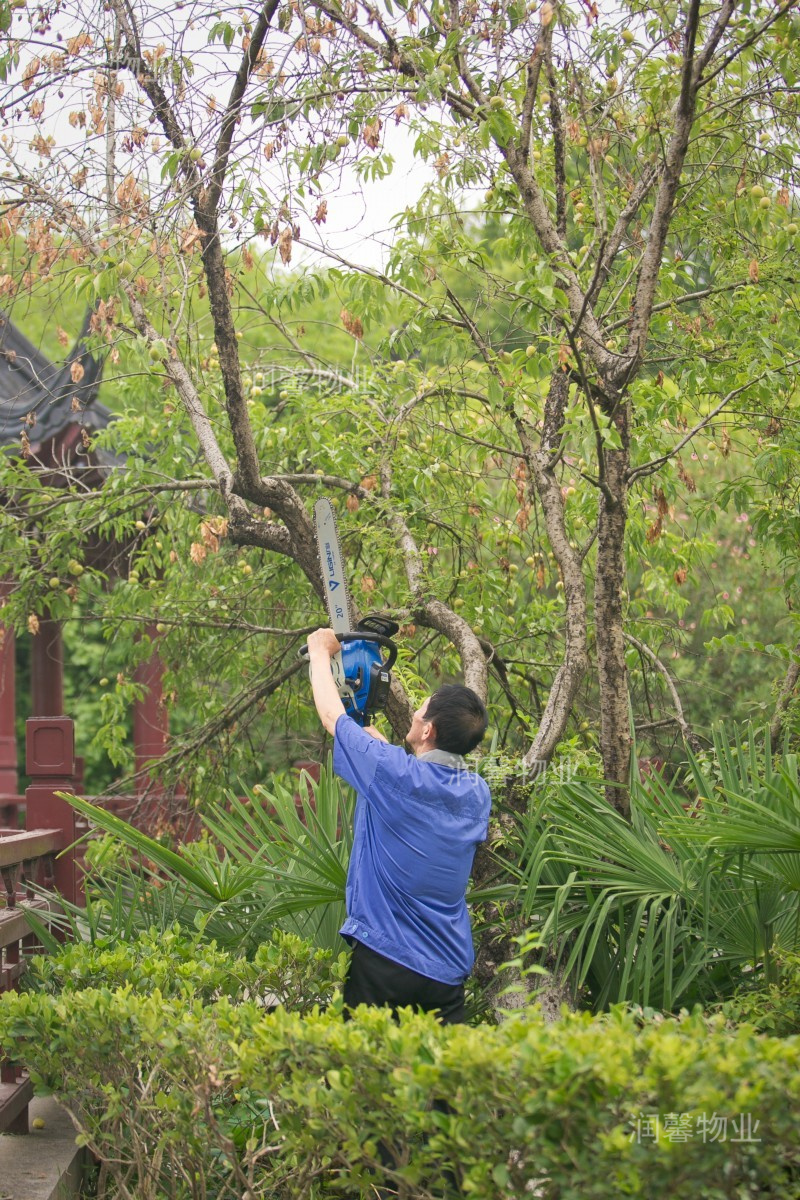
(373, 979)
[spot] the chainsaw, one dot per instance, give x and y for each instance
(361, 672)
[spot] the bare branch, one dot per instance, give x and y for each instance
(689, 736)
(657, 463)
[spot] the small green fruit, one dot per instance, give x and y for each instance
(792, 229)
(75, 567)
(756, 191)
(55, 581)
(628, 36)
(104, 682)
(195, 154)
(125, 269)
(343, 140)
(161, 627)
(530, 351)
(764, 202)
(497, 102)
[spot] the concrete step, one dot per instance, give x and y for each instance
(44, 1164)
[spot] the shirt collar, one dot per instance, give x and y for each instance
(444, 759)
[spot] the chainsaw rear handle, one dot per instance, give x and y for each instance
(364, 635)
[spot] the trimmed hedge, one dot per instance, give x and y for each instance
(182, 1099)
(285, 970)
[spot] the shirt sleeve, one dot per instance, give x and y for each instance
(357, 754)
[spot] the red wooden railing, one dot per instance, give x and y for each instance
(32, 856)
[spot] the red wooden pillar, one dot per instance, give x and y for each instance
(47, 670)
(150, 720)
(9, 780)
(50, 762)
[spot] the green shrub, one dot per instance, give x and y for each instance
(284, 970)
(771, 1009)
(184, 1100)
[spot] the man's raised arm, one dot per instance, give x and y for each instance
(322, 645)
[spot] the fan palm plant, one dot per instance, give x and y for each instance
(271, 860)
(670, 908)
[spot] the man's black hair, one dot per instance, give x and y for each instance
(459, 717)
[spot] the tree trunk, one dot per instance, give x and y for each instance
(615, 738)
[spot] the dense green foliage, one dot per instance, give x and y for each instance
(181, 1099)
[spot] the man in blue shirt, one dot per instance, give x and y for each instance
(418, 820)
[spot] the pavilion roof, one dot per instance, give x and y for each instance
(43, 397)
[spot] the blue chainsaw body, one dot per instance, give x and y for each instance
(367, 674)
(363, 664)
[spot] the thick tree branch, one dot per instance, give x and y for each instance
(234, 108)
(667, 190)
(559, 140)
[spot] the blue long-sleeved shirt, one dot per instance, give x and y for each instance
(417, 823)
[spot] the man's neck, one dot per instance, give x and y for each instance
(443, 757)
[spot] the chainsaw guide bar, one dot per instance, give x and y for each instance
(337, 594)
(361, 669)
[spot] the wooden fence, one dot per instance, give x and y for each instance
(28, 857)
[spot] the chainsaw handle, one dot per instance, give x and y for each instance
(365, 635)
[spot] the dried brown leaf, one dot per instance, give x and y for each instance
(30, 73)
(285, 245)
(371, 133)
(352, 324)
